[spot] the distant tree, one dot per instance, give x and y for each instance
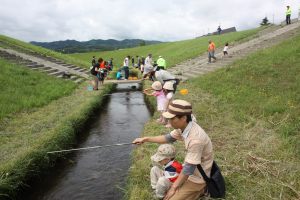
(142, 43)
(265, 22)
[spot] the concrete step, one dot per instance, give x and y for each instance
(77, 68)
(42, 68)
(57, 73)
(49, 71)
(34, 65)
(74, 77)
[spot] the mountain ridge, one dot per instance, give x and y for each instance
(74, 46)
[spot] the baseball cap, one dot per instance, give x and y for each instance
(178, 108)
(156, 85)
(164, 151)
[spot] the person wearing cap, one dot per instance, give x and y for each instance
(163, 76)
(157, 91)
(161, 63)
(190, 184)
(162, 179)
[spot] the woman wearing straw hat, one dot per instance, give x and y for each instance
(189, 185)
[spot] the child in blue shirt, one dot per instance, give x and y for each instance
(119, 75)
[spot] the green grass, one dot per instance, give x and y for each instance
(26, 138)
(251, 111)
(8, 42)
(23, 89)
(173, 52)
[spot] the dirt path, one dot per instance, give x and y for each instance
(269, 37)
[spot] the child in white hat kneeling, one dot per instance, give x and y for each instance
(162, 179)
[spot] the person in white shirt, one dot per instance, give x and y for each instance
(225, 50)
(148, 67)
(126, 67)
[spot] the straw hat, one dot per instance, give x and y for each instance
(178, 108)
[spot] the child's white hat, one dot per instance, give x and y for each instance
(168, 85)
(156, 85)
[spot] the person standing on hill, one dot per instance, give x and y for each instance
(138, 60)
(225, 50)
(189, 185)
(211, 51)
(110, 64)
(93, 61)
(288, 14)
(126, 67)
(132, 61)
(219, 30)
(161, 62)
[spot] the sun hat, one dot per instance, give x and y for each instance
(168, 85)
(164, 151)
(178, 108)
(156, 85)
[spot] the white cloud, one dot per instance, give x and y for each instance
(165, 20)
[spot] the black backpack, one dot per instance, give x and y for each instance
(93, 71)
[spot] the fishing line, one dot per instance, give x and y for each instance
(86, 148)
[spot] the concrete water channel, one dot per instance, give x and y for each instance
(99, 173)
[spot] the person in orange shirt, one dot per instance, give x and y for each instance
(102, 69)
(211, 51)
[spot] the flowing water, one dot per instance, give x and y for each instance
(99, 173)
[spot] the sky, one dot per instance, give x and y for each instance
(163, 20)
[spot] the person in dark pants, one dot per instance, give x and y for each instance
(126, 67)
(288, 15)
(219, 30)
(211, 51)
(93, 61)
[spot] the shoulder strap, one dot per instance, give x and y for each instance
(203, 173)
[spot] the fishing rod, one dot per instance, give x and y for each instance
(86, 148)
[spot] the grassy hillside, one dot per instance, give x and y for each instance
(173, 52)
(27, 47)
(251, 111)
(26, 138)
(22, 89)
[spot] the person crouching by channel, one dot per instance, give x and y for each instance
(160, 99)
(162, 179)
(190, 184)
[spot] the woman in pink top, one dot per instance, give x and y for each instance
(161, 99)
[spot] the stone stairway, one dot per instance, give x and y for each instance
(269, 37)
(46, 64)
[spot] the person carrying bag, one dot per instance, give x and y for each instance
(215, 184)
